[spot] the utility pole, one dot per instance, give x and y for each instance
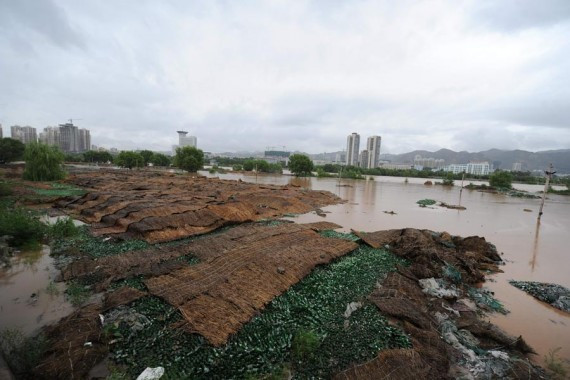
(548, 174)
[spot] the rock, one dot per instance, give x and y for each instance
(151, 373)
(351, 308)
(428, 183)
(280, 270)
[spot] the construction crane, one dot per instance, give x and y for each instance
(71, 120)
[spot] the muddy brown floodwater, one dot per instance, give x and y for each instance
(26, 302)
(532, 252)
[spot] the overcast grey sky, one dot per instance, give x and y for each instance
(243, 75)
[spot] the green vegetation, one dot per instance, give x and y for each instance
(426, 202)
(555, 365)
(59, 190)
(96, 156)
(23, 226)
(313, 307)
(11, 150)
(448, 179)
(300, 165)
(85, 244)
(136, 282)
(189, 158)
(159, 159)
(262, 166)
(43, 163)
(237, 168)
(21, 353)
(63, 228)
(5, 189)
(340, 235)
(129, 160)
(77, 293)
(147, 156)
(501, 179)
(304, 345)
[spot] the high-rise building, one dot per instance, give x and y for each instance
(373, 147)
(184, 140)
(517, 167)
(69, 138)
(1, 133)
(25, 134)
(364, 157)
(84, 140)
(50, 136)
(352, 149)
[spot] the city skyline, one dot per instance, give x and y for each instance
(468, 75)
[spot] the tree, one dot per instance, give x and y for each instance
(99, 157)
(147, 156)
(300, 165)
(11, 150)
(159, 159)
(501, 179)
(129, 160)
(448, 179)
(43, 163)
(249, 165)
(189, 158)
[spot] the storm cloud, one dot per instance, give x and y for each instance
(469, 75)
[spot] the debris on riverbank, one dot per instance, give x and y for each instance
(554, 295)
(439, 313)
(453, 207)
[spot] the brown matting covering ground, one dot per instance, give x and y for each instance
(218, 296)
(159, 207)
(241, 270)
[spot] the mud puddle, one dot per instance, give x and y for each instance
(29, 299)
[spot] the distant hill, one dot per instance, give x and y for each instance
(501, 159)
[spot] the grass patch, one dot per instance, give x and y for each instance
(266, 344)
(21, 353)
(63, 228)
(59, 190)
(77, 293)
(94, 247)
(24, 227)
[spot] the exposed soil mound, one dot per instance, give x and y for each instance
(430, 301)
(162, 207)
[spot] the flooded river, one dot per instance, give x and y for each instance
(533, 252)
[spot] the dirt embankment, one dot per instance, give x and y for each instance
(436, 301)
(159, 207)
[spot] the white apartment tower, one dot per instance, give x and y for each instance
(373, 147)
(50, 136)
(1, 133)
(364, 159)
(24, 134)
(84, 140)
(352, 149)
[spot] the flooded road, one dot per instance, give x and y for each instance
(533, 252)
(28, 298)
